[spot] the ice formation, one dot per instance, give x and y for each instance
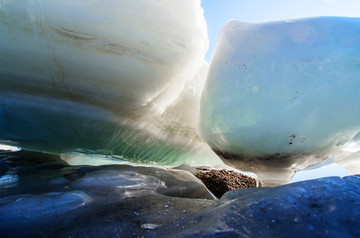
(124, 79)
(127, 201)
(116, 77)
(93, 82)
(285, 95)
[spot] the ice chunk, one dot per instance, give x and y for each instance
(34, 206)
(126, 184)
(284, 94)
(103, 77)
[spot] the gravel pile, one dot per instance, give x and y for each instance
(221, 181)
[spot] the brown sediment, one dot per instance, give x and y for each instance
(221, 181)
(259, 163)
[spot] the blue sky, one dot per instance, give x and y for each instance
(218, 12)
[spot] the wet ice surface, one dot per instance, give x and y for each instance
(326, 207)
(29, 206)
(52, 199)
(56, 200)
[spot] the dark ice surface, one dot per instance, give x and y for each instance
(41, 196)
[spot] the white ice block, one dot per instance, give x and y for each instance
(95, 75)
(283, 89)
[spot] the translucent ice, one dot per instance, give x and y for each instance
(116, 77)
(283, 95)
(33, 206)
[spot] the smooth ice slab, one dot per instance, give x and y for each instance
(118, 77)
(283, 89)
(33, 206)
(116, 55)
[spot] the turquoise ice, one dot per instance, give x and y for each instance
(117, 77)
(283, 90)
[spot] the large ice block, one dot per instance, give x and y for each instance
(284, 95)
(100, 76)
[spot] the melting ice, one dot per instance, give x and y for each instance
(124, 78)
(282, 96)
(116, 77)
